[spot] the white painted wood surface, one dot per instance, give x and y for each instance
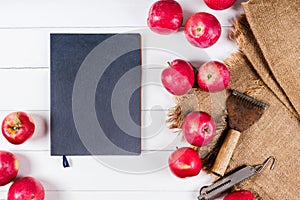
(24, 84)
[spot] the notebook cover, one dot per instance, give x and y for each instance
(95, 94)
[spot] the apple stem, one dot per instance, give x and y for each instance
(195, 75)
(169, 64)
(209, 76)
(194, 147)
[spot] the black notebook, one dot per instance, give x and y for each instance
(95, 94)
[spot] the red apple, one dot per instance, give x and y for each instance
(213, 76)
(179, 77)
(202, 29)
(9, 167)
(17, 127)
(185, 162)
(165, 17)
(219, 4)
(26, 188)
(240, 195)
(198, 128)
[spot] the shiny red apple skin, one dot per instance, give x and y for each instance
(9, 167)
(165, 17)
(185, 162)
(17, 127)
(198, 128)
(179, 77)
(219, 4)
(213, 76)
(27, 188)
(202, 29)
(240, 195)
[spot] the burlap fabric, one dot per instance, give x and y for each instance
(276, 25)
(277, 133)
(266, 68)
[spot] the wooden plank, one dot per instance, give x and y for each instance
(155, 96)
(158, 49)
(147, 172)
(29, 48)
(23, 48)
(117, 195)
(29, 89)
(24, 89)
(95, 13)
(155, 134)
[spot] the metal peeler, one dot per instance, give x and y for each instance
(225, 183)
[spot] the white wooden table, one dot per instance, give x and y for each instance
(24, 85)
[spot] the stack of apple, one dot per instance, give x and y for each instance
(201, 30)
(17, 128)
(198, 128)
